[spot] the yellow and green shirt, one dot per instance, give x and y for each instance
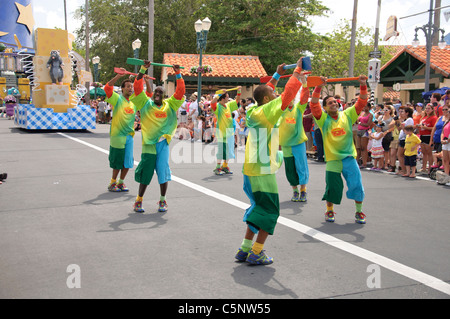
(224, 119)
(290, 126)
(157, 122)
(261, 151)
(337, 134)
(122, 123)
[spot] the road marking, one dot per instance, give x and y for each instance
(387, 263)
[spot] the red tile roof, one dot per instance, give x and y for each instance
(439, 62)
(224, 66)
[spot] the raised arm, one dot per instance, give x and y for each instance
(316, 109)
(292, 86)
(139, 83)
(109, 87)
(276, 76)
(363, 95)
(181, 88)
(149, 90)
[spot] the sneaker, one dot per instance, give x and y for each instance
(360, 218)
(241, 255)
(218, 171)
(226, 170)
(138, 207)
(303, 196)
(113, 188)
(122, 188)
(329, 217)
(261, 259)
(162, 207)
(295, 197)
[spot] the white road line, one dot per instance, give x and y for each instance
(387, 263)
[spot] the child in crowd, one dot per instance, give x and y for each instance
(412, 143)
(377, 149)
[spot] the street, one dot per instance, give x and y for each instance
(63, 235)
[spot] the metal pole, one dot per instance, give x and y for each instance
(437, 21)
(136, 56)
(351, 63)
(65, 15)
(199, 88)
(87, 84)
(151, 34)
(428, 35)
(377, 28)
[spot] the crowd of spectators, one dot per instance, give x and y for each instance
(379, 133)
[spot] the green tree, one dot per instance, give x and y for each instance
(276, 31)
(332, 52)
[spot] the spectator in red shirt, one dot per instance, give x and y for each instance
(426, 125)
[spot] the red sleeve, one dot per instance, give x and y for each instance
(109, 90)
(290, 92)
(316, 109)
(149, 94)
(360, 104)
(180, 90)
(214, 106)
(271, 85)
(138, 86)
(304, 95)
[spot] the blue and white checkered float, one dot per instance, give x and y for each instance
(29, 117)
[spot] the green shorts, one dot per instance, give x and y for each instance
(120, 158)
(265, 204)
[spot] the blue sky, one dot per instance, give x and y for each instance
(50, 13)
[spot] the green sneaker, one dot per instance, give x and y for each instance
(218, 171)
(261, 259)
(295, 197)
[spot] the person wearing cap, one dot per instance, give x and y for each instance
(418, 114)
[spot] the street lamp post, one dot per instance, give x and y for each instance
(201, 28)
(95, 62)
(136, 46)
(429, 29)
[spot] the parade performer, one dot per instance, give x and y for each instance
(158, 124)
(121, 132)
(340, 152)
(293, 143)
(262, 160)
(224, 132)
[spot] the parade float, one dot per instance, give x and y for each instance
(38, 64)
(55, 106)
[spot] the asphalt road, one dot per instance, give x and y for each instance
(63, 235)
